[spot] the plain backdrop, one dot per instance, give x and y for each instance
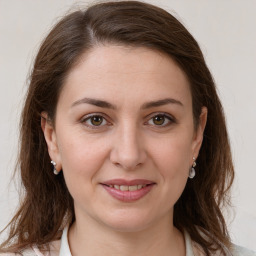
(225, 30)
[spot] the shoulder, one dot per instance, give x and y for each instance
(25, 252)
(241, 251)
(53, 250)
(235, 250)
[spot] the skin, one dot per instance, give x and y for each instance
(128, 144)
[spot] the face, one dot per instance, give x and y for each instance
(124, 136)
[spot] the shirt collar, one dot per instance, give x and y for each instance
(65, 250)
(64, 246)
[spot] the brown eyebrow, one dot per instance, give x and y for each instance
(95, 102)
(105, 104)
(162, 102)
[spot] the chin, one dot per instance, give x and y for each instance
(127, 222)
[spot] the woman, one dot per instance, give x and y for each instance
(120, 141)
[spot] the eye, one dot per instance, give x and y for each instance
(94, 121)
(161, 120)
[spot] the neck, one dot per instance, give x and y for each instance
(90, 238)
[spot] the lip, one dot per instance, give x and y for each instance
(128, 196)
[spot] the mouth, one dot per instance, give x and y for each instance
(128, 191)
(127, 188)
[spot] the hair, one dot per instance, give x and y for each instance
(47, 205)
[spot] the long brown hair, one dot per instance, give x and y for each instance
(47, 204)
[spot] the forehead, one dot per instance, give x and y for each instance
(123, 73)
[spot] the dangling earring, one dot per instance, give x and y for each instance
(54, 168)
(192, 171)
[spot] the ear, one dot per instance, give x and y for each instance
(199, 132)
(51, 140)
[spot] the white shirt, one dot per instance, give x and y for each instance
(61, 248)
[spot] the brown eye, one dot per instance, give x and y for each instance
(159, 120)
(96, 120)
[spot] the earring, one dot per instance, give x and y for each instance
(192, 171)
(54, 168)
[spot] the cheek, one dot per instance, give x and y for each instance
(173, 156)
(173, 161)
(81, 159)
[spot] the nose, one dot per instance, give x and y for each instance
(128, 149)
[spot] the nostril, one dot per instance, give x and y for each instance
(128, 166)
(117, 164)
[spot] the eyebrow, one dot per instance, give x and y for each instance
(162, 102)
(95, 102)
(105, 104)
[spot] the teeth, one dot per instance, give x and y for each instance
(133, 188)
(124, 188)
(127, 188)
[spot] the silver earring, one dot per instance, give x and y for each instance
(192, 171)
(54, 168)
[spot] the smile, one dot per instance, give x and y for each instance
(128, 188)
(128, 191)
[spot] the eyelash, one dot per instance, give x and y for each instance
(168, 118)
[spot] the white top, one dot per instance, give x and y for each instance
(61, 248)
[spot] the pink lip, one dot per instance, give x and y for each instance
(128, 196)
